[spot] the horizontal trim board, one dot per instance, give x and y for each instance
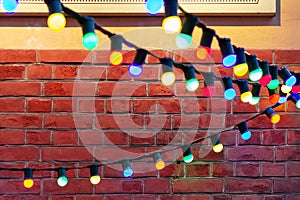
(137, 7)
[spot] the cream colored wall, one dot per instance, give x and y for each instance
(285, 36)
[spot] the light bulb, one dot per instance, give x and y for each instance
(218, 148)
(56, 22)
(254, 100)
(62, 181)
(241, 69)
(192, 85)
(90, 41)
(168, 78)
(154, 6)
(28, 183)
(95, 179)
(255, 75)
(183, 41)
(9, 6)
(171, 24)
(273, 84)
(286, 89)
(116, 58)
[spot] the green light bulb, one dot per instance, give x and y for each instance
(90, 41)
(256, 74)
(273, 84)
(188, 158)
(62, 181)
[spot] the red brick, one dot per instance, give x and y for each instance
(197, 197)
(66, 154)
(94, 197)
(65, 138)
(124, 186)
(287, 153)
(37, 197)
(149, 73)
(288, 121)
(247, 169)
(21, 121)
(197, 170)
(12, 72)
(157, 186)
(249, 153)
(142, 138)
(80, 186)
(239, 106)
(273, 137)
(293, 169)
(101, 57)
(20, 88)
(144, 105)
(68, 121)
(118, 72)
(145, 197)
(274, 197)
(11, 174)
(273, 169)
(65, 72)
(219, 106)
(62, 105)
(15, 56)
(120, 121)
(228, 138)
(90, 137)
(264, 103)
(38, 137)
(70, 89)
(17, 187)
(19, 153)
(291, 107)
(118, 105)
(94, 105)
(116, 137)
(117, 152)
(287, 56)
(186, 56)
(157, 89)
(293, 197)
(220, 169)
(222, 71)
(92, 72)
(128, 56)
(164, 137)
(186, 121)
(12, 105)
(248, 197)
(160, 53)
(117, 197)
(65, 56)
(256, 137)
(263, 54)
(39, 72)
(248, 186)
(222, 197)
(158, 122)
(62, 198)
(121, 89)
(169, 106)
(38, 105)
(170, 197)
(197, 185)
(172, 170)
(11, 198)
(286, 185)
(12, 137)
(195, 105)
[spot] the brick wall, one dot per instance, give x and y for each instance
(69, 108)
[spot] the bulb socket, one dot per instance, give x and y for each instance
(94, 170)
(28, 173)
(272, 92)
(264, 65)
(171, 7)
(140, 56)
(208, 78)
(54, 6)
(227, 82)
(116, 42)
(240, 53)
(189, 72)
(61, 171)
(157, 156)
(256, 89)
(207, 37)
(243, 127)
(273, 71)
(225, 46)
(243, 86)
(252, 62)
(167, 65)
(186, 149)
(88, 25)
(270, 112)
(284, 73)
(189, 23)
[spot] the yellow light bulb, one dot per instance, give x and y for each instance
(286, 89)
(218, 148)
(28, 183)
(168, 78)
(275, 119)
(95, 179)
(116, 58)
(160, 164)
(246, 97)
(171, 24)
(56, 22)
(240, 69)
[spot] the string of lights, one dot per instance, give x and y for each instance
(260, 74)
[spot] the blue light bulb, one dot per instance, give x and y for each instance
(290, 81)
(229, 94)
(229, 60)
(246, 135)
(135, 70)
(154, 6)
(183, 41)
(128, 172)
(9, 6)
